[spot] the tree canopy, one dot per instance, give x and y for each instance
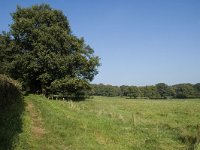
(158, 91)
(41, 52)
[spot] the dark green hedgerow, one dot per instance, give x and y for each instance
(11, 110)
(10, 91)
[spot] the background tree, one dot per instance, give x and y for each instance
(133, 92)
(124, 90)
(6, 47)
(164, 90)
(197, 90)
(151, 92)
(105, 90)
(184, 91)
(159, 91)
(45, 53)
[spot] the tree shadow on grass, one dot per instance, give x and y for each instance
(11, 124)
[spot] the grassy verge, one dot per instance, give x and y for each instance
(110, 123)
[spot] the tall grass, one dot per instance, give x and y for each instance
(116, 123)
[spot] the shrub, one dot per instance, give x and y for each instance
(10, 91)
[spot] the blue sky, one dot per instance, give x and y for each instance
(140, 42)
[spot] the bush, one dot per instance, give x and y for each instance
(10, 91)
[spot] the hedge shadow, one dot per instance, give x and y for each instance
(11, 110)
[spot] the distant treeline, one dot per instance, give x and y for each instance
(158, 91)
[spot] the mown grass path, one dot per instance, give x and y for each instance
(37, 128)
(110, 124)
(34, 131)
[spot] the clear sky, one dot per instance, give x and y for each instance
(140, 42)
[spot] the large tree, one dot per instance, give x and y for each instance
(184, 90)
(151, 92)
(197, 90)
(46, 56)
(164, 90)
(133, 92)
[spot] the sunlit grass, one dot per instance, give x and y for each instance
(113, 123)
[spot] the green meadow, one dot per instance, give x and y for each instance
(107, 123)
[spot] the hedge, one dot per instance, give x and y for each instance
(10, 91)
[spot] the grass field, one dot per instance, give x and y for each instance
(109, 123)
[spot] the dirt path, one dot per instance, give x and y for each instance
(37, 128)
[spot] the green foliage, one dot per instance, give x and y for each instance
(133, 91)
(10, 91)
(159, 91)
(6, 47)
(72, 87)
(151, 92)
(184, 91)
(105, 90)
(197, 89)
(11, 109)
(164, 90)
(43, 51)
(124, 90)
